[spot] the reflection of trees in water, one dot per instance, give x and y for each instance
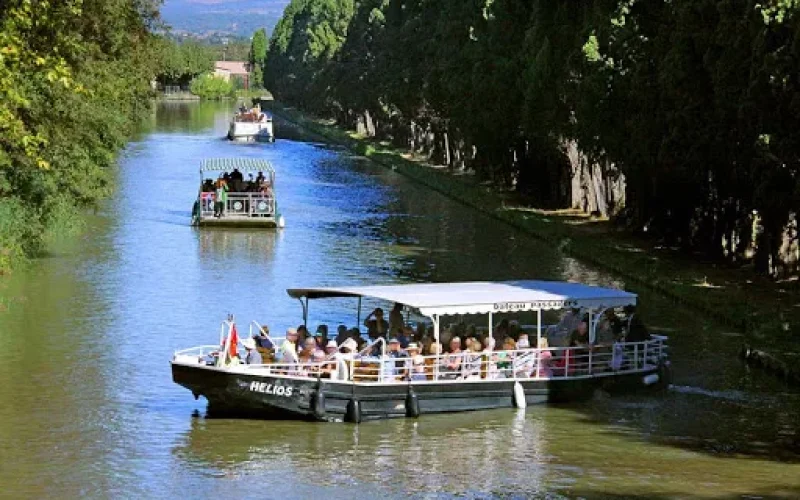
(484, 452)
(190, 116)
(252, 244)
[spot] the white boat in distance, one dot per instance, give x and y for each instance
(366, 385)
(245, 202)
(251, 125)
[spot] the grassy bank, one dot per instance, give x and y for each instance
(764, 312)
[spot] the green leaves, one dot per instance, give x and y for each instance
(74, 76)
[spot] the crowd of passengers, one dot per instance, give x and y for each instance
(215, 193)
(463, 352)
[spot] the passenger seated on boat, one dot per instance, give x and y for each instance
(208, 186)
(404, 337)
(302, 335)
(341, 334)
(609, 328)
(544, 358)
(501, 331)
(289, 347)
(236, 175)
(558, 335)
(319, 365)
(524, 359)
(580, 335)
(307, 352)
(417, 369)
(473, 360)
(505, 357)
(260, 178)
(252, 357)
(399, 369)
(264, 345)
(451, 362)
(489, 370)
(320, 339)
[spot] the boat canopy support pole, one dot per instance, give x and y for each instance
(304, 305)
(491, 331)
(538, 328)
(358, 315)
(435, 319)
(592, 325)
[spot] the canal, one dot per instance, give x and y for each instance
(86, 333)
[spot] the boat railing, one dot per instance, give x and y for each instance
(244, 204)
(200, 354)
(553, 363)
(550, 363)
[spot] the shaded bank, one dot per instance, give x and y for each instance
(679, 117)
(757, 307)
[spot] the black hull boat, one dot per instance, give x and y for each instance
(364, 385)
(273, 397)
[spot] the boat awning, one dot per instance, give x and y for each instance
(228, 164)
(481, 297)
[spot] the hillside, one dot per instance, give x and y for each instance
(206, 18)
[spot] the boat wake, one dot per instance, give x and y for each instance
(731, 395)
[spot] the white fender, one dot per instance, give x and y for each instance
(519, 396)
(650, 379)
(281, 222)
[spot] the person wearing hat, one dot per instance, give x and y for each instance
(348, 348)
(417, 362)
(252, 357)
(321, 336)
(331, 349)
(397, 369)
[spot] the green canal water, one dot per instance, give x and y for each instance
(88, 408)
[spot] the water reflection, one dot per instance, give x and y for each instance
(486, 451)
(255, 246)
(88, 332)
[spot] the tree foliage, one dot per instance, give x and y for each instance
(694, 102)
(209, 86)
(180, 63)
(258, 56)
(74, 77)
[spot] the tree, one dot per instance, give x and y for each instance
(258, 56)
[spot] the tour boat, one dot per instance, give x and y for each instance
(248, 204)
(251, 125)
(366, 385)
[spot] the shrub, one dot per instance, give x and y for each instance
(208, 86)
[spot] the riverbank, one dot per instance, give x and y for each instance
(762, 314)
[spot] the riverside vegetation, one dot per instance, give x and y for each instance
(683, 113)
(74, 80)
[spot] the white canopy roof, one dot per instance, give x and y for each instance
(482, 297)
(228, 164)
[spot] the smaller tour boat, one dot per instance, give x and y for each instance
(237, 192)
(377, 383)
(251, 125)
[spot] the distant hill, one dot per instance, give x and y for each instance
(214, 18)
